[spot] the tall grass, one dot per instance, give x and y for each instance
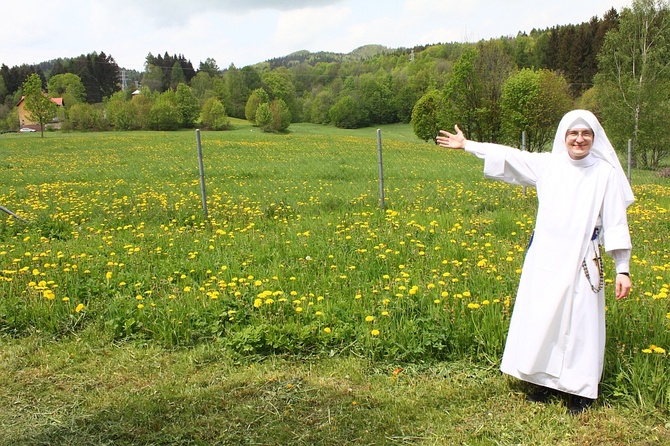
(297, 256)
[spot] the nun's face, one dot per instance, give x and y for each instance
(579, 142)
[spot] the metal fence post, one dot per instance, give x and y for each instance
(202, 174)
(382, 203)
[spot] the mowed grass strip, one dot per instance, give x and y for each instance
(82, 392)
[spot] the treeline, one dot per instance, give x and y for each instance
(570, 50)
(98, 73)
(371, 85)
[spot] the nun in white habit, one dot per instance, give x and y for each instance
(556, 337)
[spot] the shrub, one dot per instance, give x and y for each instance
(214, 115)
(164, 115)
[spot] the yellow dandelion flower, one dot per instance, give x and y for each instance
(140, 306)
(298, 309)
(258, 303)
(66, 299)
(374, 332)
(79, 308)
(473, 306)
(369, 318)
(49, 294)
(327, 330)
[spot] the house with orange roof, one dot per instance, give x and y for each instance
(24, 121)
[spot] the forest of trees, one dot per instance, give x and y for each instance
(494, 89)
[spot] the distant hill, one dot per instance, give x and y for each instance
(360, 53)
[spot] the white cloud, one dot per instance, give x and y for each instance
(325, 29)
(245, 32)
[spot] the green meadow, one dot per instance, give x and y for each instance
(301, 311)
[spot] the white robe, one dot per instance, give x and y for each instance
(557, 330)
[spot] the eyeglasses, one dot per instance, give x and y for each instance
(574, 134)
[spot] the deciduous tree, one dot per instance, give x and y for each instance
(533, 101)
(164, 114)
(634, 80)
(122, 113)
(264, 117)
(202, 86)
(153, 78)
(233, 92)
(41, 109)
(281, 115)
(257, 97)
(177, 76)
(425, 116)
(69, 87)
(188, 106)
(348, 113)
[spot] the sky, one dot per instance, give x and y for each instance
(245, 32)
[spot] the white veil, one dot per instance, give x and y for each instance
(602, 148)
